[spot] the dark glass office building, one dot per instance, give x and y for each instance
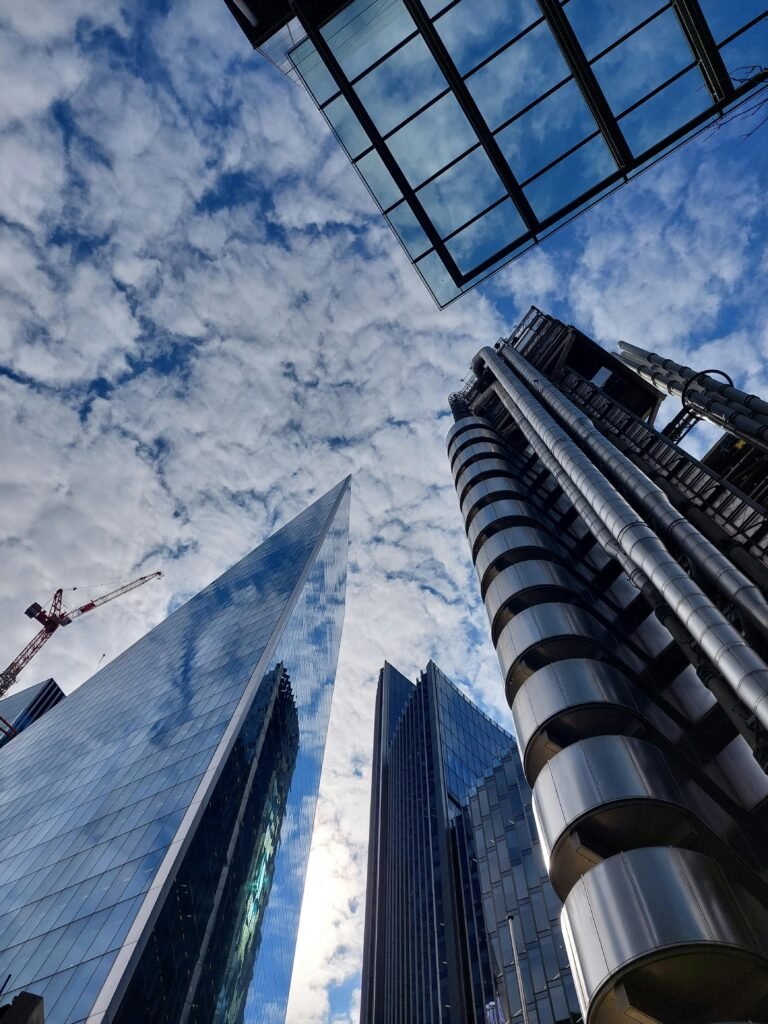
(21, 707)
(461, 920)
(156, 824)
(625, 583)
(480, 126)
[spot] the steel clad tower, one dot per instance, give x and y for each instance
(625, 583)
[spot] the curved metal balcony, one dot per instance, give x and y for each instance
(485, 492)
(548, 633)
(496, 516)
(473, 436)
(482, 470)
(666, 936)
(464, 424)
(526, 584)
(608, 794)
(572, 700)
(512, 545)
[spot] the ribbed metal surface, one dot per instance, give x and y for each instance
(528, 583)
(689, 944)
(514, 544)
(468, 437)
(499, 514)
(571, 699)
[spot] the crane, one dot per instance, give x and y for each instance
(54, 617)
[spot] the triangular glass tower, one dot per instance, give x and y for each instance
(155, 826)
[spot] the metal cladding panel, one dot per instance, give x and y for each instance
(670, 934)
(479, 470)
(101, 800)
(519, 543)
(600, 694)
(499, 511)
(466, 423)
(470, 437)
(480, 495)
(549, 581)
(480, 451)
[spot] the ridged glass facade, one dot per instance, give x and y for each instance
(20, 708)
(156, 826)
(447, 790)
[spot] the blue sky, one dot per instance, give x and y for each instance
(205, 325)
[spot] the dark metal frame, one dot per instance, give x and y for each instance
(707, 56)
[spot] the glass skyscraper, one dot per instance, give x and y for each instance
(481, 126)
(155, 826)
(21, 707)
(461, 921)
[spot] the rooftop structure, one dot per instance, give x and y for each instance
(481, 126)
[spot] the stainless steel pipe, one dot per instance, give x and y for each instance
(743, 669)
(650, 499)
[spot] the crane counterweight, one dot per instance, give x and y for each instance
(54, 617)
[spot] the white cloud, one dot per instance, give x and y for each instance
(262, 339)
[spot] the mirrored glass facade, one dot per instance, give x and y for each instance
(156, 825)
(444, 900)
(480, 126)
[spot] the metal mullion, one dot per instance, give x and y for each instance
(534, 103)
(412, 117)
(742, 30)
(504, 46)
(585, 78)
(358, 109)
(569, 152)
(658, 89)
(380, 60)
(472, 112)
(631, 32)
(478, 216)
(702, 42)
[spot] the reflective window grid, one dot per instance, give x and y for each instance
(156, 824)
(461, 920)
(480, 126)
(20, 708)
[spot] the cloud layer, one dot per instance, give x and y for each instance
(205, 325)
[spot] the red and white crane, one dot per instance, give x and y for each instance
(54, 617)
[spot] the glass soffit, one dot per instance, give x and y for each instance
(480, 126)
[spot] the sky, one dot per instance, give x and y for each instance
(204, 325)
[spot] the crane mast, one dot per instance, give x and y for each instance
(54, 617)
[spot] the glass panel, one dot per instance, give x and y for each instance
(726, 18)
(549, 129)
(747, 53)
(570, 178)
(408, 229)
(364, 31)
(407, 80)
(518, 76)
(598, 23)
(643, 62)
(437, 278)
(317, 78)
(434, 138)
(378, 179)
(473, 29)
(666, 111)
(347, 127)
(461, 192)
(483, 239)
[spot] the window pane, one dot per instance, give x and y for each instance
(748, 53)
(461, 192)
(434, 138)
(407, 80)
(379, 180)
(549, 129)
(666, 111)
(473, 29)
(408, 229)
(317, 77)
(726, 18)
(517, 76)
(643, 62)
(570, 178)
(437, 278)
(598, 23)
(346, 126)
(483, 239)
(364, 31)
